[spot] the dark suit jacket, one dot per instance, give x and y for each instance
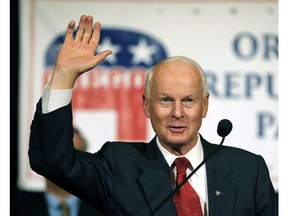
(34, 204)
(133, 178)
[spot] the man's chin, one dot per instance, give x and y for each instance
(176, 143)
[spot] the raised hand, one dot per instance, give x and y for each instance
(77, 55)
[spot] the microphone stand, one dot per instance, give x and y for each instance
(187, 178)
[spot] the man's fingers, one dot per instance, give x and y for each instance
(88, 29)
(81, 28)
(69, 31)
(102, 56)
(96, 35)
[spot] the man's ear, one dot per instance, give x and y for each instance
(205, 105)
(145, 102)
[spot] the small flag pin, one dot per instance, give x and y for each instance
(217, 192)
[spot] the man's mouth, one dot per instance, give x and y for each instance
(177, 129)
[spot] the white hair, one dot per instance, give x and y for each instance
(156, 67)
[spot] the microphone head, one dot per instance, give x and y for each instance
(224, 127)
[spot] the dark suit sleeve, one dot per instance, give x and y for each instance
(49, 132)
(85, 209)
(52, 155)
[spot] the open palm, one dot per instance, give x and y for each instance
(78, 55)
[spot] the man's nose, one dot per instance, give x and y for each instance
(177, 110)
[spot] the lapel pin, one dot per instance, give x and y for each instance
(219, 193)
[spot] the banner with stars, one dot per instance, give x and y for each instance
(236, 44)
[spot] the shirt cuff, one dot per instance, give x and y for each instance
(54, 99)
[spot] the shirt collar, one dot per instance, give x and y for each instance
(194, 155)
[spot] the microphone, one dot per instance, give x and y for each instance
(224, 128)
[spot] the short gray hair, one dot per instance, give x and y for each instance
(183, 58)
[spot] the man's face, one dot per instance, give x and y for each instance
(176, 105)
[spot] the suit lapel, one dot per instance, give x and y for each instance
(155, 182)
(221, 191)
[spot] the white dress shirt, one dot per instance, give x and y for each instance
(53, 99)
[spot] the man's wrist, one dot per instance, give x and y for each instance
(53, 99)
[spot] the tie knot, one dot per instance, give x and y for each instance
(182, 164)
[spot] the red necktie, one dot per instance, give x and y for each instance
(186, 199)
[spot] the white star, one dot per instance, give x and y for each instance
(142, 52)
(108, 45)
